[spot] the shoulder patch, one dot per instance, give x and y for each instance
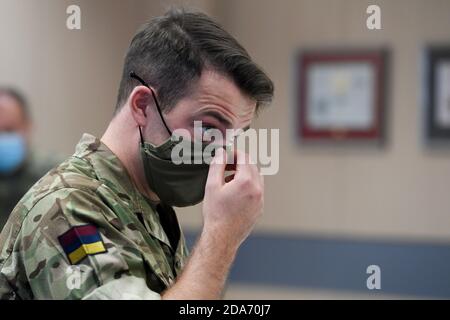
(81, 241)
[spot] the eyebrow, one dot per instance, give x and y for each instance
(223, 120)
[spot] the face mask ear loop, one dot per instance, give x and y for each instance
(135, 76)
(140, 133)
(159, 111)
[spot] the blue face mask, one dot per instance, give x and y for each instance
(12, 152)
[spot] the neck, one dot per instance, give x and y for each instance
(123, 140)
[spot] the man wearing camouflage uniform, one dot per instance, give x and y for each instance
(101, 225)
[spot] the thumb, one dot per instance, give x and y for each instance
(217, 167)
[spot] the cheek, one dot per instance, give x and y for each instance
(5, 123)
(6, 126)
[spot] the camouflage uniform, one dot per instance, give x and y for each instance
(13, 187)
(92, 188)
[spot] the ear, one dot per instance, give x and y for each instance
(140, 100)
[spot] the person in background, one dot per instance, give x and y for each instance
(19, 167)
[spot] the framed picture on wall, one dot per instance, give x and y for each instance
(341, 96)
(437, 95)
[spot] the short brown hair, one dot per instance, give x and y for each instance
(171, 51)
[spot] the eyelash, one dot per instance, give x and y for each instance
(209, 126)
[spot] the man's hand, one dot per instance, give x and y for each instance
(230, 210)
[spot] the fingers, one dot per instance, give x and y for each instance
(244, 166)
(216, 173)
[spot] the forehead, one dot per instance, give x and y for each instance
(11, 114)
(218, 91)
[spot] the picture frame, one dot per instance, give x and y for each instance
(342, 96)
(437, 95)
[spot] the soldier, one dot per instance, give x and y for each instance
(101, 225)
(20, 168)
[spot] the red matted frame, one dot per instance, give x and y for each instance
(375, 133)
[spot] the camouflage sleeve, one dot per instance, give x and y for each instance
(99, 274)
